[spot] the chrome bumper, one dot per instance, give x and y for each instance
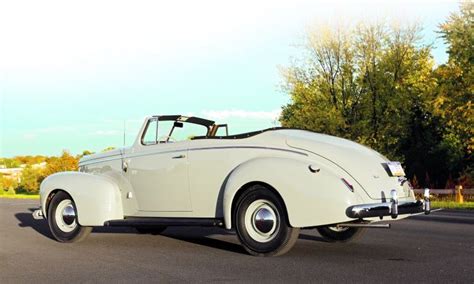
(38, 214)
(392, 208)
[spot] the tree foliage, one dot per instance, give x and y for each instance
(30, 180)
(360, 84)
(65, 162)
(455, 93)
(34, 172)
(9, 163)
(377, 84)
(7, 186)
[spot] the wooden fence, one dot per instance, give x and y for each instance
(467, 191)
(458, 193)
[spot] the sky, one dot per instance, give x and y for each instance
(75, 74)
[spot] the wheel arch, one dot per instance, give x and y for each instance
(49, 198)
(97, 198)
(271, 172)
(311, 198)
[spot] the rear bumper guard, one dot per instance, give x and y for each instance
(392, 208)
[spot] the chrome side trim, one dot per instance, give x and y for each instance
(135, 155)
(101, 160)
(118, 157)
(160, 221)
(249, 147)
(214, 148)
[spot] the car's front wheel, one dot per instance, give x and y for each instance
(261, 223)
(340, 234)
(62, 219)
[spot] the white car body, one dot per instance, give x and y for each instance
(201, 178)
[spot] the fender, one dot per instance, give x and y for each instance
(311, 199)
(97, 198)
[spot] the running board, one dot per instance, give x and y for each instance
(356, 225)
(158, 221)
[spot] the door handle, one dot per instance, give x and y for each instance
(179, 157)
(124, 166)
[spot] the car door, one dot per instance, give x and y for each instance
(158, 173)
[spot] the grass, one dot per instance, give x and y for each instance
(452, 205)
(20, 196)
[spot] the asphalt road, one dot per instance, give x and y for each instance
(435, 248)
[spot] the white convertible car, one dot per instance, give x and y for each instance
(266, 185)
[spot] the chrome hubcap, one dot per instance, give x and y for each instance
(262, 220)
(65, 216)
(69, 215)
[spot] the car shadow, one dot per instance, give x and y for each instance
(40, 226)
(115, 230)
(311, 238)
(205, 240)
(195, 235)
(201, 236)
(442, 219)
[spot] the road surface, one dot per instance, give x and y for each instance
(434, 248)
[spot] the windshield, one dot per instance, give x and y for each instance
(171, 131)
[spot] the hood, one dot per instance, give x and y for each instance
(365, 165)
(100, 156)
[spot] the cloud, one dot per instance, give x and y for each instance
(29, 136)
(57, 129)
(32, 134)
(245, 114)
(106, 133)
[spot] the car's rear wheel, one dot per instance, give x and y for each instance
(261, 223)
(62, 219)
(340, 234)
(154, 230)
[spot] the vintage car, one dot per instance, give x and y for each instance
(265, 185)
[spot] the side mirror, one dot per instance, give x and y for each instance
(178, 124)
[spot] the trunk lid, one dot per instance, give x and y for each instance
(365, 165)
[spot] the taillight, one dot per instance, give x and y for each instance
(349, 186)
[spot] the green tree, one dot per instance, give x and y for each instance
(395, 75)
(30, 180)
(7, 185)
(455, 91)
(86, 153)
(427, 155)
(110, 148)
(9, 163)
(360, 84)
(325, 97)
(375, 84)
(65, 162)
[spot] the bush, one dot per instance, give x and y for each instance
(7, 191)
